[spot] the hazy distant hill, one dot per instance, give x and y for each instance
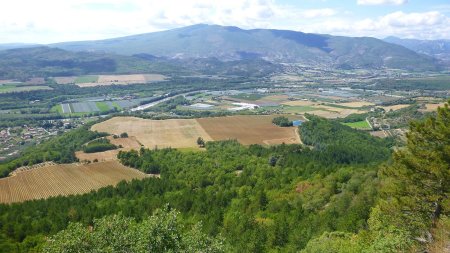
(232, 43)
(23, 63)
(439, 49)
(7, 46)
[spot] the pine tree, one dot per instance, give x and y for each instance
(417, 184)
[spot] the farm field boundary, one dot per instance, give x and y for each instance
(63, 179)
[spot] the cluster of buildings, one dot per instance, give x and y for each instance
(14, 139)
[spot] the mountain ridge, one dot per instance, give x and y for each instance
(439, 49)
(280, 46)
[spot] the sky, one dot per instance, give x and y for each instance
(49, 21)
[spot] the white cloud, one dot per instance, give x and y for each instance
(401, 19)
(48, 21)
(419, 25)
(54, 20)
(381, 2)
(318, 13)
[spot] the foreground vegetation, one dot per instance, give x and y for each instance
(161, 232)
(258, 198)
(340, 194)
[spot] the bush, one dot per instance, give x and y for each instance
(282, 121)
(98, 146)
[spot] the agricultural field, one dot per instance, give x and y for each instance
(100, 106)
(66, 108)
(299, 103)
(176, 133)
(126, 143)
(395, 107)
(432, 107)
(183, 133)
(249, 130)
(57, 108)
(356, 104)
(86, 79)
(85, 107)
(65, 79)
(105, 80)
(363, 125)
(104, 107)
(63, 179)
(6, 88)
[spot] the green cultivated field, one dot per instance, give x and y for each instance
(57, 108)
(118, 107)
(359, 124)
(5, 88)
(86, 79)
(102, 106)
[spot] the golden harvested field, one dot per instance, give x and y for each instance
(175, 133)
(124, 79)
(249, 130)
(300, 103)
(126, 143)
(330, 112)
(108, 155)
(183, 133)
(394, 107)
(65, 79)
(356, 104)
(432, 107)
(63, 179)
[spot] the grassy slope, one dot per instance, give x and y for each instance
(359, 124)
(86, 79)
(102, 106)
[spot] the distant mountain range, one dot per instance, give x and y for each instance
(213, 48)
(40, 61)
(7, 46)
(439, 49)
(281, 46)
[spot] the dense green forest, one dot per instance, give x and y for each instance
(282, 121)
(341, 193)
(161, 232)
(341, 143)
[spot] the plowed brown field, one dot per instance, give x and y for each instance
(183, 133)
(249, 130)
